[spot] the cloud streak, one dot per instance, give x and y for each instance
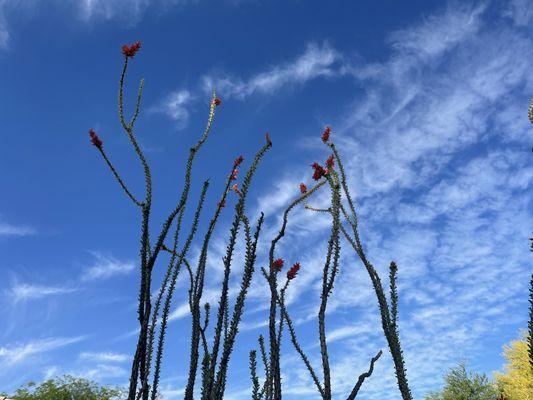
(176, 107)
(106, 267)
(104, 357)
(27, 291)
(437, 154)
(318, 60)
(7, 229)
(18, 353)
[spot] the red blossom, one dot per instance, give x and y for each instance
(267, 137)
(325, 134)
(238, 161)
(277, 264)
(95, 140)
(303, 188)
(291, 273)
(129, 51)
(217, 101)
(330, 162)
(319, 171)
(234, 174)
(236, 189)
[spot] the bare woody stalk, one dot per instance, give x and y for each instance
(218, 384)
(389, 314)
(273, 384)
(149, 254)
(174, 269)
(215, 356)
(225, 332)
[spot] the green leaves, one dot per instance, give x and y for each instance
(67, 388)
(463, 385)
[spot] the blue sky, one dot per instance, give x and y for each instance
(428, 104)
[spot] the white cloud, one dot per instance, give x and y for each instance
(105, 267)
(26, 291)
(17, 353)
(7, 229)
(100, 372)
(104, 357)
(317, 61)
(175, 107)
(520, 11)
(4, 33)
(437, 154)
(439, 33)
(128, 10)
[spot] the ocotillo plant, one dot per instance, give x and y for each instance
(215, 360)
(211, 347)
(271, 389)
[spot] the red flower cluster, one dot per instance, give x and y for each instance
(267, 137)
(238, 161)
(277, 264)
(129, 51)
(319, 171)
(234, 174)
(303, 188)
(325, 134)
(217, 101)
(95, 140)
(291, 273)
(236, 189)
(330, 162)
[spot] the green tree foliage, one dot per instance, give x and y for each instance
(459, 384)
(516, 383)
(67, 388)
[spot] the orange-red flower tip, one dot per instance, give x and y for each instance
(238, 161)
(95, 139)
(131, 50)
(277, 264)
(291, 273)
(319, 171)
(236, 189)
(326, 133)
(330, 162)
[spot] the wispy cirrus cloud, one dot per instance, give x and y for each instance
(97, 372)
(88, 11)
(17, 353)
(128, 10)
(318, 60)
(104, 357)
(520, 12)
(437, 153)
(176, 107)
(7, 229)
(106, 266)
(26, 291)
